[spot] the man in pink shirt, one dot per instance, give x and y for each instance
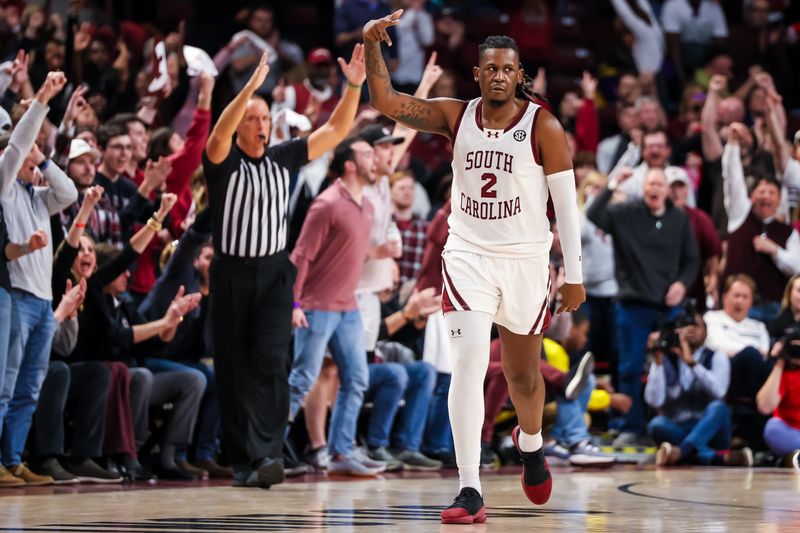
(329, 256)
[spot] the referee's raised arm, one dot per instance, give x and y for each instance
(219, 142)
(327, 136)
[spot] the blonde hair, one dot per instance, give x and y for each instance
(594, 178)
(786, 303)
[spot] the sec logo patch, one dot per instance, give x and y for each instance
(520, 135)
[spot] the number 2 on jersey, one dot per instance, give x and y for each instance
(487, 190)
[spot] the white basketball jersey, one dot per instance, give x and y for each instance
(499, 192)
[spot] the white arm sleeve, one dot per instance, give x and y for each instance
(565, 202)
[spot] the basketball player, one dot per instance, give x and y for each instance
(508, 153)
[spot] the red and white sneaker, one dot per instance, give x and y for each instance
(467, 508)
(536, 480)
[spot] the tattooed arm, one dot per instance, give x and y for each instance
(437, 115)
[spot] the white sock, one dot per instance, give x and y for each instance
(468, 476)
(530, 443)
(470, 353)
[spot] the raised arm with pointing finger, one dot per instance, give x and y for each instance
(320, 141)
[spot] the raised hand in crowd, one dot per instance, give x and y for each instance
(539, 84)
(431, 74)
(155, 176)
(717, 84)
(355, 71)
(77, 103)
(168, 201)
(588, 85)
(52, 85)
(82, 37)
(20, 82)
(207, 82)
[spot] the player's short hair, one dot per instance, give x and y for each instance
(497, 41)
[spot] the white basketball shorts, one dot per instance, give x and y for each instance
(515, 291)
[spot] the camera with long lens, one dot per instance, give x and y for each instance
(667, 331)
(791, 347)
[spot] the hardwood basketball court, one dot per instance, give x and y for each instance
(621, 499)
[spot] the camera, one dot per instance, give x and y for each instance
(667, 331)
(791, 347)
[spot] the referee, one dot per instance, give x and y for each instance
(251, 275)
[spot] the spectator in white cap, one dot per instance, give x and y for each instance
(704, 289)
(81, 169)
(656, 152)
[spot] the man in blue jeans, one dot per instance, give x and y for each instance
(687, 384)
(27, 210)
(390, 382)
(329, 256)
(656, 259)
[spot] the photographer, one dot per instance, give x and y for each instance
(687, 384)
(780, 395)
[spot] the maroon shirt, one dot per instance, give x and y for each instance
(430, 275)
(710, 246)
(330, 252)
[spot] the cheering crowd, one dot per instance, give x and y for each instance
(681, 119)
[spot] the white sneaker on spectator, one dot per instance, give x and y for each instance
(362, 455)
(319, 458)
(556, 453)
(585, 453)
(381, 454)
(578, 376)
(350, 466)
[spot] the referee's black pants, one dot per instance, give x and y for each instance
(251, 310)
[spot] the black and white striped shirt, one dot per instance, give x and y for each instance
(250, 198)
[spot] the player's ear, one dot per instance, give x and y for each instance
(475, 72)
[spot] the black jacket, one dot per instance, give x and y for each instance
(651, 252)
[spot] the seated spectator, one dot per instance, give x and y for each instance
(396, 375)
(790, 310)
(191, 348)
(744, 340)
(110, 328)
(759, 245)
(687, 385)
(780, 395)
(570, 433)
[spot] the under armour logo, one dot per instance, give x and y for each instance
(455, 333)
(493, 134)
(520, 135)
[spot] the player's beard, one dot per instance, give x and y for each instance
(497, 103)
